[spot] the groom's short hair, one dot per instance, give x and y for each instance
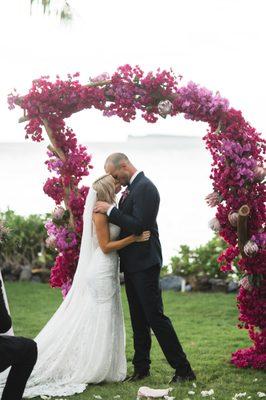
(116, 158)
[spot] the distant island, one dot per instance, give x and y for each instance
(160, 136)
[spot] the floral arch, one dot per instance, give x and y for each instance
(237, 173)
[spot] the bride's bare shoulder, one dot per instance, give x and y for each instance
(99, 218)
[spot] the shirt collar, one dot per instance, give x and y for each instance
(133, 177)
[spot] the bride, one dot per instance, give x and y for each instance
(84, 341)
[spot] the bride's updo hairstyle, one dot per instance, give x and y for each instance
(105, 188)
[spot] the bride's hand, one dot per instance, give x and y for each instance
(144, 237)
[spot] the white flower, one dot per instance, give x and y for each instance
(206, 393)
(169, 398)
(255, 380)
(165, 107)
(261, 394)
(117, 396)
(191, 392)
(232, 218)
(214, 224)
(194, 385)
(250, 248)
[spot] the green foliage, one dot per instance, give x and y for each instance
(206, 327)
(64, 11)
(25, 243)
(200, 262)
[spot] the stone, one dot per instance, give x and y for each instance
(25, 274)
(42, 273)
(232, 287)
(218, 285)
(36, 279)
(171, 282)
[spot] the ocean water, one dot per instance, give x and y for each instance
(178, 166)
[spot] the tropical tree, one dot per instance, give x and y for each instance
(60, 8)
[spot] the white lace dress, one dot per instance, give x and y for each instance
(84, 341)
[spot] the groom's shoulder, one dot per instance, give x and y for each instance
(145, 181)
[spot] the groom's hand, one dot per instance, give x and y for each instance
(101, 207)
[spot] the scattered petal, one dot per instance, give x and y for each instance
(206, 393)
(237, 395)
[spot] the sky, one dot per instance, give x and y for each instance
(219, 44)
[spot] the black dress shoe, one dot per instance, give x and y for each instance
(177, 378)
(137, 376)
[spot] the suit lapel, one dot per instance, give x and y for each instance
(121, 205)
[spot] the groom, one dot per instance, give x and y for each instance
(141, 264)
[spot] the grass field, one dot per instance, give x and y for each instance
(205, 324)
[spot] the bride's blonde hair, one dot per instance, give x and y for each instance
(105, 188)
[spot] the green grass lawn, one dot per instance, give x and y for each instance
(205, 324)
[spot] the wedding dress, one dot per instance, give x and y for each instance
(84, 341)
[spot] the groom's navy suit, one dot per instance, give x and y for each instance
(141, 263)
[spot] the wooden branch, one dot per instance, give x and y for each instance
(53, 141)
(59, 153)
(242, 227)
(23, 119)
(53, 150)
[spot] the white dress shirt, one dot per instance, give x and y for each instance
(130, 182)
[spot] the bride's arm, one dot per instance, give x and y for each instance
(103, 235)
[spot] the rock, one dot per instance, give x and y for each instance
(188, 288)
(232, 287)
(25, 274)
(42, 273)
(199, 284)
(218, 285)
(36, 279)
(9, 278)
(171, 282)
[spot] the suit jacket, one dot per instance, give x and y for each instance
(5, 341)
(5, 320)
(138, 213)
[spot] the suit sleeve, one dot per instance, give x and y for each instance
(146, 202)
(5, 320)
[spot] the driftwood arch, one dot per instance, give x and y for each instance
(237, 172)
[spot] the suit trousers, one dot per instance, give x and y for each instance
(146, 311)
(21, 354)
